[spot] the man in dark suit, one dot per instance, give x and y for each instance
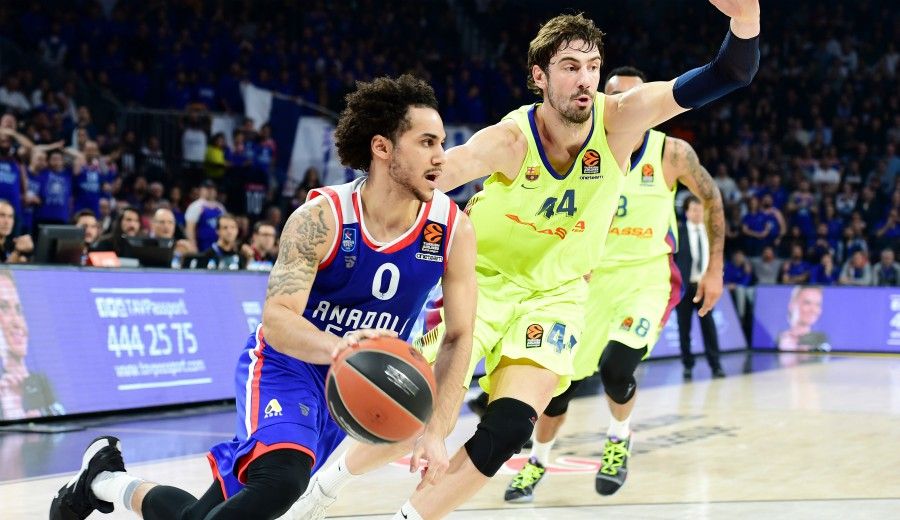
(693, 260)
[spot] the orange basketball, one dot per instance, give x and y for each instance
(381, 391)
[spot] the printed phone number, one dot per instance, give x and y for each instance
(152, 339)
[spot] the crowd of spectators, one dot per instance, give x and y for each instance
(806, 157)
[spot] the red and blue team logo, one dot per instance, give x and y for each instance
(348, 240)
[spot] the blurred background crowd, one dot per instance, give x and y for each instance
(806, 157)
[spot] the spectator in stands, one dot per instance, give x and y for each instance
(86, 220)
(738, 278)
(767, 267)
(13, 249)
(756, 228)
(55, 192)
(93, 179)
(128, 224)
(795, 271)
(153, 161)
(202, 215)
(730, 192)
(775, 217)
(888, 230)
(851, 242)
(262, 250)
(193, 146)
(215, 162)
(857, 270)
(12, 178)
(845, 202)
(225, 252)
(886, 272)
(825, 272)
(164, 226)
(12, 97)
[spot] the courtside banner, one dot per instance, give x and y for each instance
(823, 319)
(728, 328)
(84, 340)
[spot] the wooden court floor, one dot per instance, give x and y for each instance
(784, 436)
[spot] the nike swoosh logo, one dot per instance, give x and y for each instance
(527, 188)
(402, 513)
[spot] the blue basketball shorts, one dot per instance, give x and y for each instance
(280, 405)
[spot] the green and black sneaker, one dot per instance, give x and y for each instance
(521, 489)
(614, 467)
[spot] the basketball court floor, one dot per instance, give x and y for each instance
(793, 436)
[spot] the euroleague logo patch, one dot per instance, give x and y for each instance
(348, 240)
(534, 336)
(430, 249)
(590, 165)
(433, 233)
(647, 174)
(627, 323)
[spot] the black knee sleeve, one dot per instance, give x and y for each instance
(506, 426)
(617, 365)
(560, 404)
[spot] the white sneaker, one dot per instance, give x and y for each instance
(311, 505)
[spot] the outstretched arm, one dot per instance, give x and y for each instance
(735, 65)
(460, 294)
(497, 148)
(692, 174)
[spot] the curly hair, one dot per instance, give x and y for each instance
(557, 32)
(378, 107)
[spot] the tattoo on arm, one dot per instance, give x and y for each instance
(707, 191)
(297, 263)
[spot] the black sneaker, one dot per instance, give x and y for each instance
(614, 467)
(76, 500)
(521, 489)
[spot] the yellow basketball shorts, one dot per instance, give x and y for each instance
(518, 323)
(629, 304)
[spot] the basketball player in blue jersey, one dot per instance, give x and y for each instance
(356, 261)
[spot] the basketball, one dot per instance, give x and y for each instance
(382, 391)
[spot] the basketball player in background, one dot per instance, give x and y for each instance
(542, 219)
(354, 247)
(631, 293)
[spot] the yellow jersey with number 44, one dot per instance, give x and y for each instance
(545, 228)
(644, 225)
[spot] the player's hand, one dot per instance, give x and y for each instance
(744, 16)
(429, 456)
(352, 339)
(709, 290)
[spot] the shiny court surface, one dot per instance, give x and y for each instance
(784, 436)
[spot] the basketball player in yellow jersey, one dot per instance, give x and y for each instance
(556, 172)
(631, 292)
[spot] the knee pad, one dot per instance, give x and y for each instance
(505, 427)
(617, 365)
(559, 405)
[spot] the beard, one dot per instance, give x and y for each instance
(399, 173)
(571, 114)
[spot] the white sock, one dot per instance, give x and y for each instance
(407, 512)
(541, 451)
(116, 487)
(619, 429)
(333, 478)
